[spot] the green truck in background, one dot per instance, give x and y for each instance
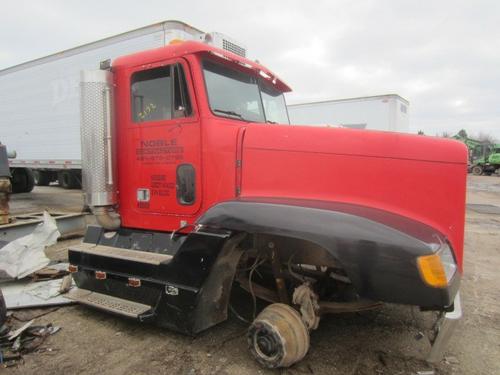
(484, 156)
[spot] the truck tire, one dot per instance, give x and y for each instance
(42, 178)
(68, 180)
(477, 170)
(22, 180)
(30, 180)
(278, 337)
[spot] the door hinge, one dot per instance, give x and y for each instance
(238, 163)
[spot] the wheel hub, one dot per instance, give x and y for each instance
(278, 337)
(266, 344)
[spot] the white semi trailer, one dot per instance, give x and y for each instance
(40, 104)
(382, 112)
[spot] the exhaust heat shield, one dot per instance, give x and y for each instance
(97, 135)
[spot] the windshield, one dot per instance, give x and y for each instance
(274, 105)
(235, 94)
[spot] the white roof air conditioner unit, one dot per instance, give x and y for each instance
(223, 41)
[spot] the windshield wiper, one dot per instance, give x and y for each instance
(271, 122)
(231, 113)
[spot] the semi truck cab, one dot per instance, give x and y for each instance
(199, 184)
(181, 120)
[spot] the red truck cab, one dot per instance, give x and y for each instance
(210, 182)
(192, 126)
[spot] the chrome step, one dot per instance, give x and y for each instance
(119, 253)
(108, 303)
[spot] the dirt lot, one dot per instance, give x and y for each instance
(382, 342)
(52, 198)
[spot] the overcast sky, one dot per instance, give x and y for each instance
(443, 56)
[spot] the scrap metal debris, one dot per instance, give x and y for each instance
(25, 339)
(26, 255)
(13, 334)
(49, 273)
(66, 284)
(25, 315)
(27, 294)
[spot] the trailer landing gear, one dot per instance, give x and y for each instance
(278, 337)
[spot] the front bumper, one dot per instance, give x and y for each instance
(444, 329)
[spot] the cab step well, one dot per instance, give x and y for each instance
(112, 304)
(124, 254)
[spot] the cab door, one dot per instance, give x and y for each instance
(161, 143)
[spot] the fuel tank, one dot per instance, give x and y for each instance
(419, 177)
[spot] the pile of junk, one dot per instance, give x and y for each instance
(32, 284)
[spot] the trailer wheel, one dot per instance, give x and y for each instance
(30, 180)
(477, 170)
(67, 180)
(278, 337)
(22, 180)
(41, 178)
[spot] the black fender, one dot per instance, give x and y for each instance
(213, 299)
(377, 249)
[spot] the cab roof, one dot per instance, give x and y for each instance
(191, 47)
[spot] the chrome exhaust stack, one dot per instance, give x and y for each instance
(98, 149)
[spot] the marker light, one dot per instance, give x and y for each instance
(133, 282)
(100, 275)
(437, 269)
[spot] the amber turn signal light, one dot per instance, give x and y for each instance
(432, 270)
(100, 275)
(133, 282)
(72, 268)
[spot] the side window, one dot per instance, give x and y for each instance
(151, 95)
(160, 94)
(182, 104)
(185, 184)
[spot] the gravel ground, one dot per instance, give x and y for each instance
(387, 341)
